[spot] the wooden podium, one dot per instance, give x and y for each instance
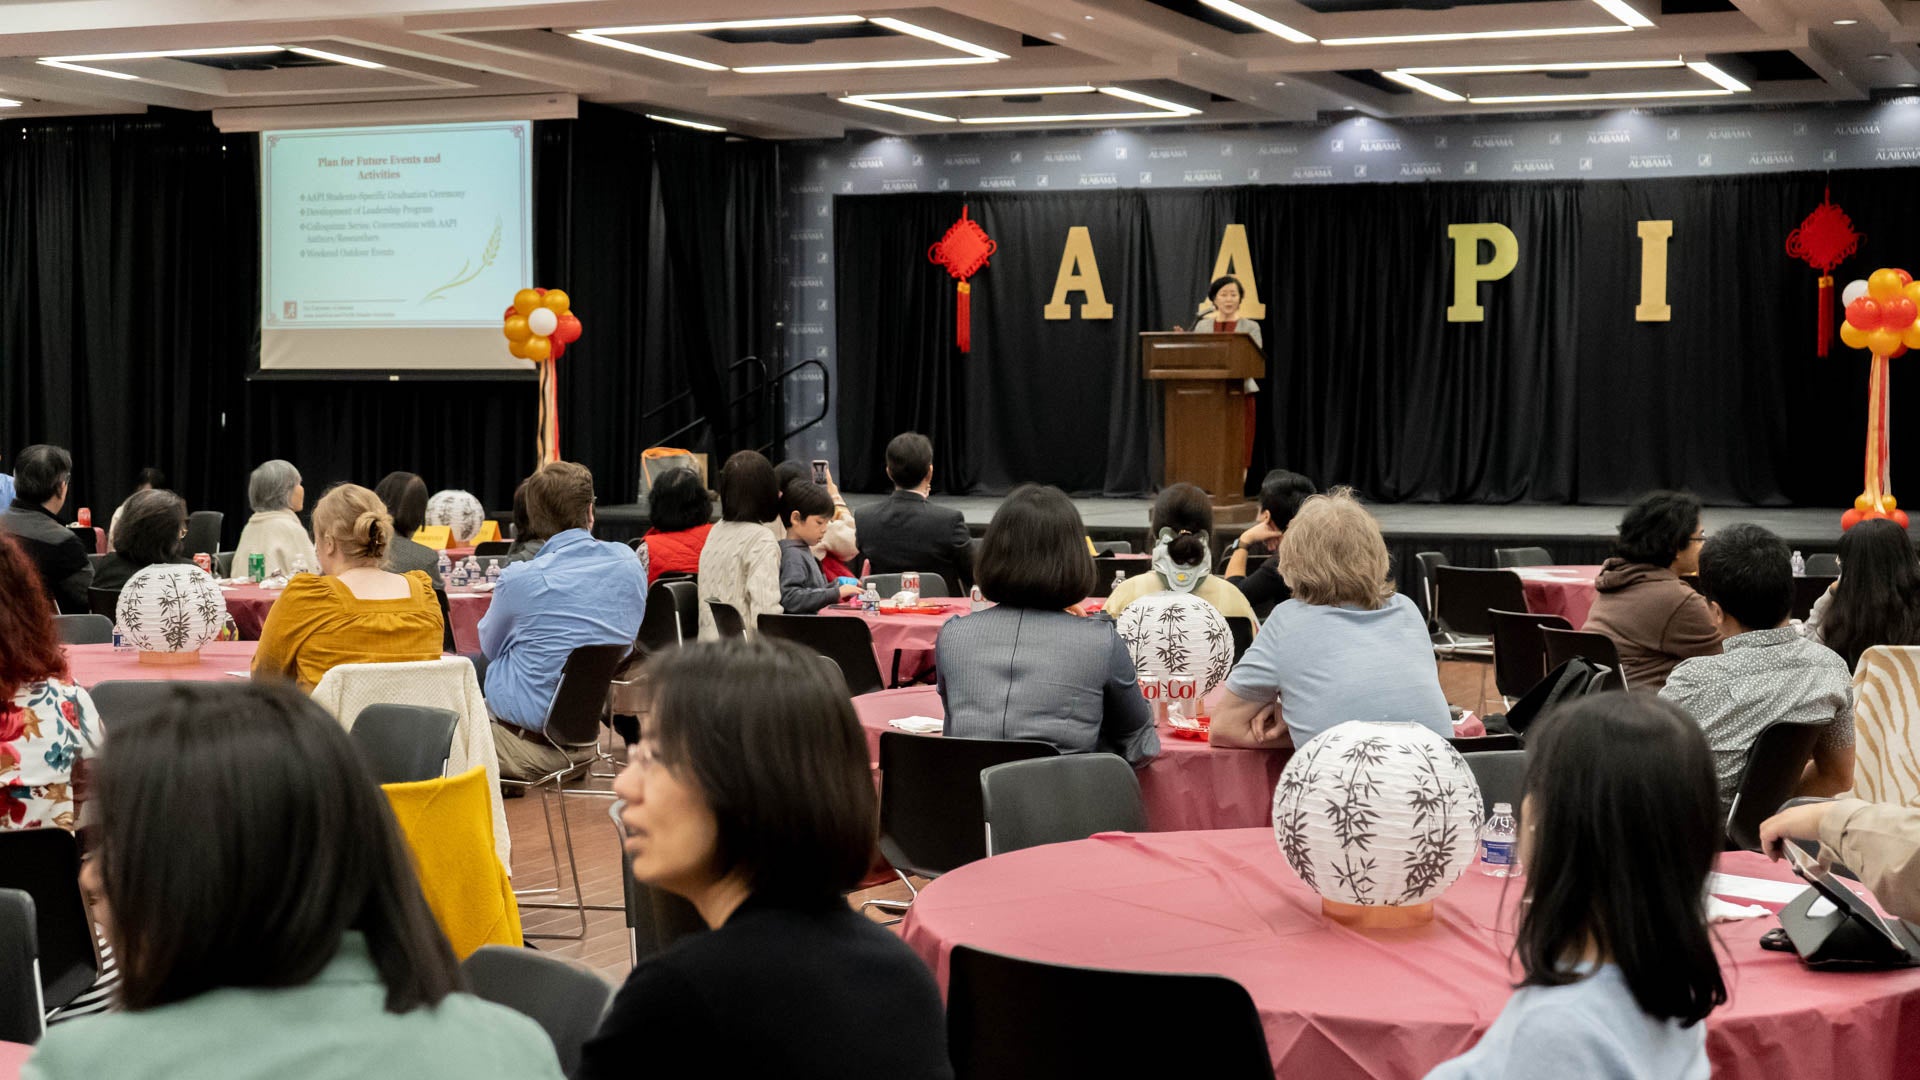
(1205, 434)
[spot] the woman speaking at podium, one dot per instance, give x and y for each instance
(1220, 315)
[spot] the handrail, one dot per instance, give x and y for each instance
(826, 394)
(766, 390)
(687, 394)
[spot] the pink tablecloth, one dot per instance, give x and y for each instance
(248, 604)
(1191, 785)
(1566, 591)
(909, 638)
(1384, 1005)
(95, 664)
(12, 1056)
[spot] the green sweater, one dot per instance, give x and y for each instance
(333, 1028)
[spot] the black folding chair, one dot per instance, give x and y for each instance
(932, 585)
(660, 626)
(1769, 778)
(1243, 635)
(1564, 645)
(45, 864)
(932, 813)
(1520, 651)
(405, 743)
(1823, 564)
(1807, 591)
(1106, 566)
(1430, 563)
(1014, 1019)
(686, 604)
(727, 620)
(22, 1011)
(120, 700)
(1480, 744)
(847, 642)
(1508, 558)
(1052, 800)
(203, 532)
(1501, 774)
(492, 547)
(1112, 547)
(104, 602)
(446, 619)
(84, 629)
(89, 540)
(1466, 598)
(564, 1000)
(656, 918)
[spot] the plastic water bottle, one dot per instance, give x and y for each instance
(493, 571)
(120, 642)
(1499, 843)
(457, 577)
(870, 600)
(1799, 565)
(474, 574)
(445, 566)
(1119, 576)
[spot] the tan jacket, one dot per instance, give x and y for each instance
(1880, 843)
(1655, 619)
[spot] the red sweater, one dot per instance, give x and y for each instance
(674, 552)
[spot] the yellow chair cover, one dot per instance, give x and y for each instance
(448, 822)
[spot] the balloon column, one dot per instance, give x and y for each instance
(1881, 313)
(539, 326)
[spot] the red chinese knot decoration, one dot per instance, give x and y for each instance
(1823, 241)
(963, 251)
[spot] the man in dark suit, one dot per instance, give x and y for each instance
(909, 533)
(40, 476)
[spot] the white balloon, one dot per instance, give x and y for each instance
(1855, 289)
(543, 320)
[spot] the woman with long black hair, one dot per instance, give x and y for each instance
(1877, 599)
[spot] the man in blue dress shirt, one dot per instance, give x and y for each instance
(577, 591)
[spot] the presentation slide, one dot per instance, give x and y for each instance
(393, 248)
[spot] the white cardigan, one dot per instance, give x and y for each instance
(279, 536)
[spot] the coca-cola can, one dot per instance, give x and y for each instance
(1182, 694)
(1152, 689)
(204, 561)
(910, 582)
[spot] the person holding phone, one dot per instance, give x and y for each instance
(1880, 843)
(836, 549)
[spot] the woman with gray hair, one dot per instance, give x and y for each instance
(275, 530)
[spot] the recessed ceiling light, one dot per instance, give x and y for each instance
(1625, 95)
(1057, 36)
(731, 24)
(1845, 22)
(64, 66)
(1481, 35)
(694, 124)
(1410, 77)
(8, 103)
(1253, 18)
(1414, 82)
(155, 54)
(1905, 85)
(1501, 69)
(1089, 18)
(322, 54)
(1879, 56)
(1625, 12)
(595, 38)
(1163, 110)
(1278, 83)
(1725, 80)
(610, 36)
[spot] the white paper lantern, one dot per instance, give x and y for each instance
(1178, 634)
(1376, 814)
(171, 609)
(460, 512)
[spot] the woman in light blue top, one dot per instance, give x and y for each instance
(264, 913)
(1345, 647)
(1620, 827)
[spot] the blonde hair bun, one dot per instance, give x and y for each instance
(356, 521)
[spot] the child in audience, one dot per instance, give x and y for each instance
(803, 585)
(1619, 831)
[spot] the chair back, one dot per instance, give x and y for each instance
(1564, 645)
(1052, 800)
(573, 716)
(1520, 650)
(1430, 563)
(1807, 590)
(1112, 547)
(727, 620)
(567, 1002)
(45, 864)
(660, 626)
(223, 563)
(1243, 635)
(84, 629)
(405, 743)
(1569, 679)
(932, 585)
(203, 532)
(686, 604)
(1106, 566)
(932, 813)
(120, 700)
(1770, 776)
(656, 918)
(1824, 564)
(1886, 751)
(89, 537)
(22, 1012)
(94, 560)
(448, 825)
(104, 602)
(491, 547)
(1014, 1019)
(1468, 595)
(1501, 774)
(1480, 744)
(446, 619)
(1508, 558)
(847, 642)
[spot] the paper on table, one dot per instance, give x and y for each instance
(1747, 888)
(919, 725)
(241, 674)
(1719, 910)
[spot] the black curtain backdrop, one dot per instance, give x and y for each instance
(1559, 396)
(129, 255)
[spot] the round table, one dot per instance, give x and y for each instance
(248, 604)
(1191, 785)
(95, 664)
(1566, 591)
(12, 1056)
(903, 644)
(1388, 1005)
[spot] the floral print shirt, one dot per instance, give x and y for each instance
(44, 731)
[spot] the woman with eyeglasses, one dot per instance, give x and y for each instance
(1654, 618)
(758, 808)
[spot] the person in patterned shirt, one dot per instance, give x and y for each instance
(47, 724)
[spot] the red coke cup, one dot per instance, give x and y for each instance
(85, 517)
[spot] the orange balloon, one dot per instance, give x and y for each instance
(1885, 284)
(1912, 292)
(517, 329)
(519, 349)
(525, 301)
(1883, 342)
(1910, 337)
(538, 348)
(1863, 503)
(556, 301)
(1889, 503)
(1853, 336)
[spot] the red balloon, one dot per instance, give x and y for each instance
(1864, 313)
(511, 312)
(1897, 352)
(1900, 518)
(559, 347)
(1898, 313)
(540, 290)
(1906, 279)
(568, 330)
(1849, 519)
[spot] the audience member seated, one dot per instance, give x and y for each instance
(47, 724)
(577, 591)
(740, 562)
(405, 496)
(352, 612)
(1619, 831)
(907, 532)
(152, 526)
(682, 515)
(803, 586)
(274, 530)
(759, 809)
(526, 541)
(1345, 647)
(1655, 619)
(1281, 494)
(289, 938)
(6, 491)
(1880, 843)
(1768, 673)
(839, 548)
(1877, 599)
(1181, 526)
(1028, 668)
(40, 478)
(149, 479)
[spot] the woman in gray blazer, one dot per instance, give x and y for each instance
(1028, 668)
(405, 496)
